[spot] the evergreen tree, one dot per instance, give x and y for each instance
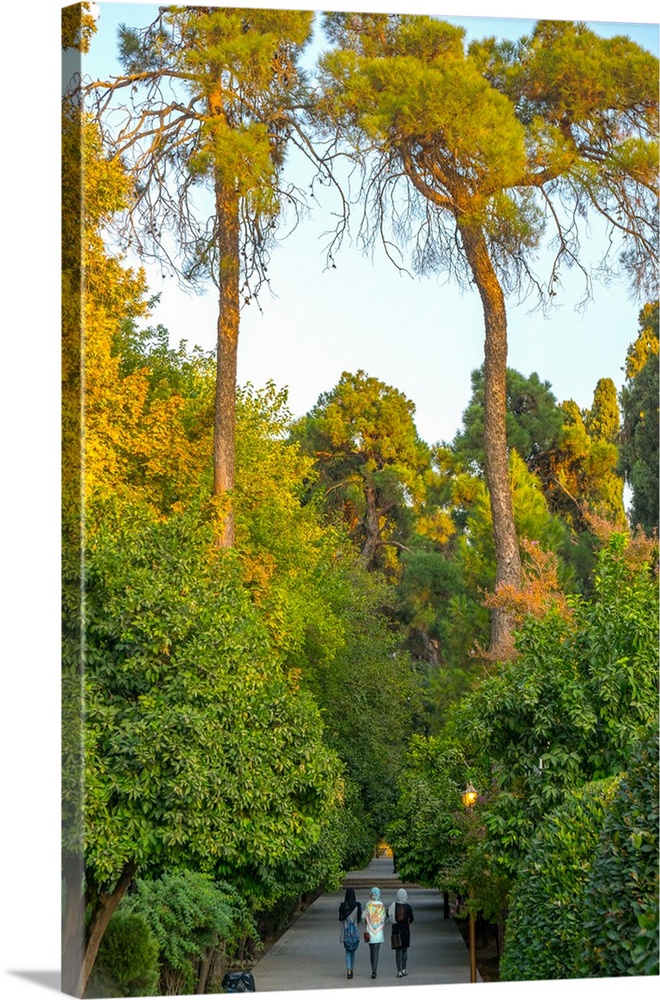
(533, 419)
(603, 422)
(482, 144)
(580, 475)
(646, 343)
(370, 459)
(209, 94)
(639, 437)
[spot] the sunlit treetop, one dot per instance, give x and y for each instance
(514, 136)
(646, 343)
(206, 98)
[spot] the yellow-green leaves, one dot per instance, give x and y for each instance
(444, 107)
(646, 344)
(78, 26)
(575, 75)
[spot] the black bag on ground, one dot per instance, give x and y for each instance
(238, 982)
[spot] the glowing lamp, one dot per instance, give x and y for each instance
(469, 796)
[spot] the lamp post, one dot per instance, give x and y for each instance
(469, 797)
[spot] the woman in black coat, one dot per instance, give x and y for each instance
(401, 916)
(350, 914)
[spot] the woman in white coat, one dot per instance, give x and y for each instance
(375, 916)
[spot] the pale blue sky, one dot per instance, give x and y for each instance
(421, 335)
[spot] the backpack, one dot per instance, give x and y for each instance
(400, 913)
(351, 936)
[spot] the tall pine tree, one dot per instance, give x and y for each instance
(471, 156)
(207, 98)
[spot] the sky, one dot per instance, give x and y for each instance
(30, 421)
(424, 336)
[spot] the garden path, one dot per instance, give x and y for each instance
(309, 955)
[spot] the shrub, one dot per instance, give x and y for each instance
(127, 961)
(621, 919)
(190, 916)
(545, 929)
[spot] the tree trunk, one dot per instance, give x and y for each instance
(224, 430)
(507, 554)
(371, 526)
(203, 973)
(99, 923)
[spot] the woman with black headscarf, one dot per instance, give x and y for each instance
(350, 914)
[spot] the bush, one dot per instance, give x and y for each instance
(127, 961)
(545, 930)
(585, 902)
(621, 919)
(190, 916)
(571, 707)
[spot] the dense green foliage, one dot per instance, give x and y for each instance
(127, 964)
(585, 900)
(568, 709)
(330, 617)
(642, 456)
(533, 419)
(370, 461)
(427, 831)
(621, 909)
(171, 766)
(573, 703)
(639, 403)
(545, 930)
(190, 916)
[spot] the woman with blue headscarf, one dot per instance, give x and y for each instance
(375, 916)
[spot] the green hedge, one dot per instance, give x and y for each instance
(621, 913)
(545, 931)
(585, 902)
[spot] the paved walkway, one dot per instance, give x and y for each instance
(309, 955)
